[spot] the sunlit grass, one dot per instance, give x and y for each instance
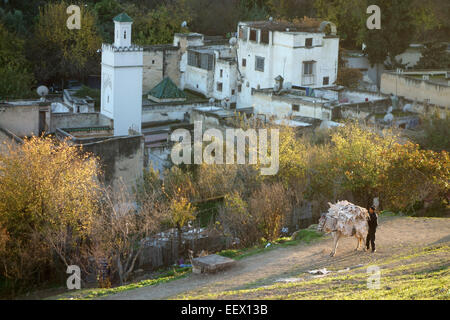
(421, 274)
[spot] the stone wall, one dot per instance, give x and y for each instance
(121, 158)
(20, 120)
(170, 111)
(416, 89)
(160, 62)
(77, 120)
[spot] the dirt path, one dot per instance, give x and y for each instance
(395, 235)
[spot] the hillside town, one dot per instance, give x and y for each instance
(192, 154)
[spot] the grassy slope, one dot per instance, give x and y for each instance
(87, 294)
(422, 274)
(303, 236)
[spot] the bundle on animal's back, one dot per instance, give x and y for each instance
(346, 218)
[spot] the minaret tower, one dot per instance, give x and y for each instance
(122, 65)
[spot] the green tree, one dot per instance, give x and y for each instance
(105, 11)
(349, 16)
(434, 56)
(395, 35)
(14, 21)
(436, 135)
(158, 25)
(58, 52)
(290, 9)
(16, 79)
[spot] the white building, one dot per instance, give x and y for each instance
(121, 92)
(303, 56)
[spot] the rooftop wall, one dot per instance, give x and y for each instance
(415, 89)
(77, 120)
(21, 120)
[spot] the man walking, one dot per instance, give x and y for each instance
(373, 223)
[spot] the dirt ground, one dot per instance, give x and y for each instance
(395, 235)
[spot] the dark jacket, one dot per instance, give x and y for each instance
(373, 221)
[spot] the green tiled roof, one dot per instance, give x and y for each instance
(123, 17)
(166, 89)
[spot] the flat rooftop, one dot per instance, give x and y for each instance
(324, 95)
(291, 123)
(283, 26)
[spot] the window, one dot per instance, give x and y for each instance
(259, 64)
(308, 68)
(326, 80)
(264, 36)
(295, 107)
(221, 73)
(243, 31)
(244, 62)
(233, 92)
(153, 61)
(204, 60)
(253, 35)
(125, 34)
(308, 42)
(308, 77)
(219, 86)
(240, 88)
(192, 59)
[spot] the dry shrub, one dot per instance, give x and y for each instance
(349, 77)
(48, 199)
(120, 227)
(236, 221)
(214, 180)
(271, 208)
(262, 217)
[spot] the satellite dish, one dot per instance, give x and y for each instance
(184, 24)
(407, 108)
(42, 91)
(233, 41)
(211, 100)
(270, 18)
(388, 117)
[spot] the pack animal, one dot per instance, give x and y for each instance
(345, 219)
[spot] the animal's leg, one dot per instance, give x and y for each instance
(358, 242)
(336, 236)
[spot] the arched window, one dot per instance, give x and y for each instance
(125, 34)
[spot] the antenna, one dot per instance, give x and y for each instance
(233, 41)
(184, 24)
